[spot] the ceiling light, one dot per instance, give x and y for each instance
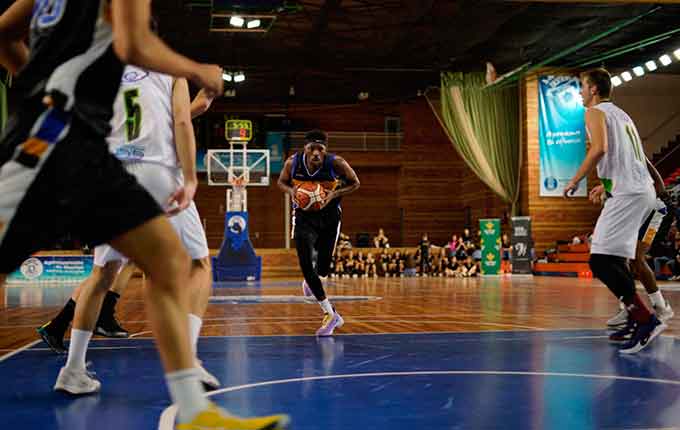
(651, 65)
(227, 77)
(639, 71)
(616, 81)
(627, 76)
(254, 23)
(236, 21)
(677, 54)
(665, 59)
(239, 77)
(291, 91)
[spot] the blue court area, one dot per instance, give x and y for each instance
(511, 380)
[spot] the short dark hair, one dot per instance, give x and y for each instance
(601, 79)
(316, 136)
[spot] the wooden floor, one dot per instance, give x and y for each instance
(396, 306)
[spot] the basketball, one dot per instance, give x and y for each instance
(309, 196)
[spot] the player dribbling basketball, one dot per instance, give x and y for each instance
(317, 229)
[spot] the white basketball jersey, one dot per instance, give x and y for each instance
(623, 168)
(142, 124)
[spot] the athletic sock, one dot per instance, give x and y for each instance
(77, 349)
(186, 392)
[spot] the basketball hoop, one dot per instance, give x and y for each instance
(236, 197)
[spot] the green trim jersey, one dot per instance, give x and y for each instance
(143, 122)
(623, 168)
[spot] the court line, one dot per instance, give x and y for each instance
(167, 418)
(18, 350)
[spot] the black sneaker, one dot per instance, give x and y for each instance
(54, 340)
(643, 336)
(109, 327)
(625, 333)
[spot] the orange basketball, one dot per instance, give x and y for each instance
(309, 196)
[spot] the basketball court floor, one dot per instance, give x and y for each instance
(505, 352)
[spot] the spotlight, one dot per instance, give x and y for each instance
(627, 76)
(677, 54)
(236, 21)
(291, 91)
(616, 81)
(239, 77)
(665, 59)
(227, 77)
(639, 71)
(651, 65)
(254, 23)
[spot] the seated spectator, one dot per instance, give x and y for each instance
(467, 236)
(381, 241)
(344, 242)
(401, 269)
(371, 269)
(453, 269)
(424, 248)
(360, 256)
(452, 246)
(469, 268)
(475, 253)
(393, 268)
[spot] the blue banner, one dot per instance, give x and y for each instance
(561, 134)
(201, 158)
(275, 141)
(53, 268)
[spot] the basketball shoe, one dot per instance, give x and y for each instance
(643, 336)
(215, 418)
(329, 324)
(76, 381)
(52, 337)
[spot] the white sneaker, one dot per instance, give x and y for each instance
(76, 381)
(664, 313)
(618, 319)
(209, 381)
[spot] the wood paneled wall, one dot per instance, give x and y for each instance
(553, 218)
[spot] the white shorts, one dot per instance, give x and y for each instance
(161, 181)
(616, 231)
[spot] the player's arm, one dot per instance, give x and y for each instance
(285, 181)
(659, 186)
(185, 144)
(351, 180)
(201, 103)
(14, 26)
(595, 122)
(135, 44)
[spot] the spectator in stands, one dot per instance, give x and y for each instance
(506, 246)
(470, 267)
(371, 269)
(453, 269)
(393, 268)
(381, 241)
(467, 236)
(409, 265)
(452, 246)
(344, 242)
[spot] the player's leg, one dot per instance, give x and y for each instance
(612, 243)
(325, 246)
(647, 276)
(107, 324)
(73, 377)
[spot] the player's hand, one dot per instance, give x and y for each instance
(209, 77)
(570, 189)
(596, 194)
(182, 198)
(330, 195)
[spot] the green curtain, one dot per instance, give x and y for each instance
(483, 126)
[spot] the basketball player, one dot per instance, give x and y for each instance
(111, 274)
(647, 276)
(154, 137)
(317, 230)
(616, 149)
(56, 174)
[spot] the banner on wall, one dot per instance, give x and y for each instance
(561, 134)
(52, 268)
(275, 144)
(521, 244)
(491, 246)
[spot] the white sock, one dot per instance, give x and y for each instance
(195, 324)
(621, 305)
(186, 392)
(326, 306)
(657, 299)
(77, 349)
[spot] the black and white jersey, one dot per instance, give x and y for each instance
(72, 58)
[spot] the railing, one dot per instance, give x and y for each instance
(355, 141)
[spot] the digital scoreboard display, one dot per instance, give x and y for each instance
(240, 130)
